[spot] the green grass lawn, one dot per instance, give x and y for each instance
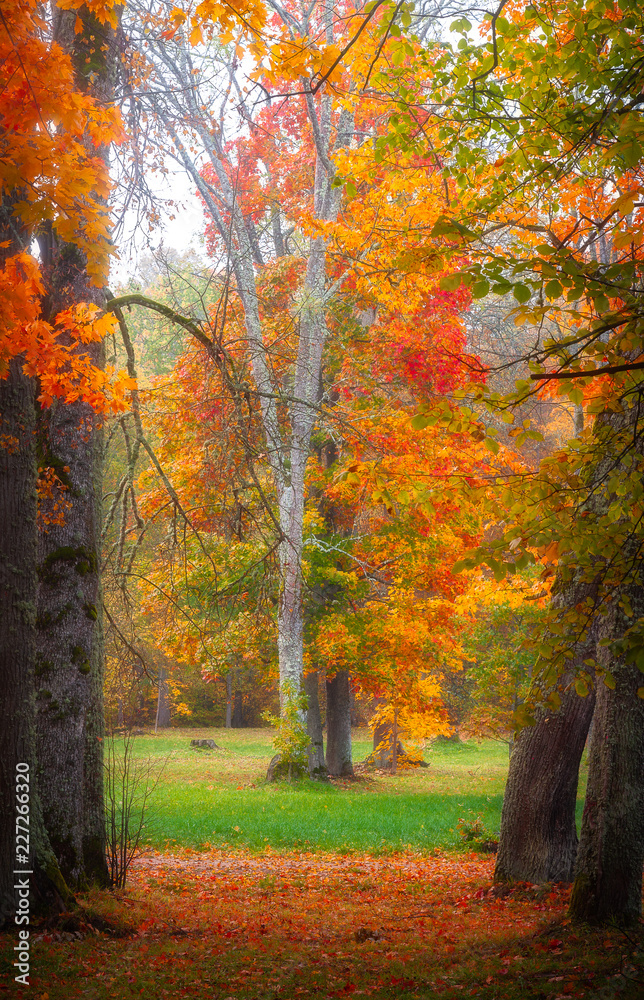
(220, 798)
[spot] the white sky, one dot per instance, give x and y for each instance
(181, 233)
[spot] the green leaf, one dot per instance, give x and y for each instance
(451, 227)
(450, 282)
(480, 289)
(609, 680)
(522, 293)
(523, 717)
(553, 289)
(492, 445)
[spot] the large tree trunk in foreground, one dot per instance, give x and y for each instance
(69, 666)
(70, 640)
(608, 873)
(538, 841)
(18, 582)
(338, 718)
(317, 766)
(18, 589)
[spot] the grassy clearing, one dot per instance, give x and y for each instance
(219, 798)
(273, 913)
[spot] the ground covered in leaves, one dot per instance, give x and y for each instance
(239, 926)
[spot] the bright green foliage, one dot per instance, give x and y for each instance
(291, 740)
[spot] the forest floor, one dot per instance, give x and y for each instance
(253, 892)
(240, 926)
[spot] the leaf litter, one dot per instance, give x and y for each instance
(241, 926)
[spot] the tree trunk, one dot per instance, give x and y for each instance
(69, 664)
(229, 700)
(290, 615)
(538, 834)
(18, 582)
(163, 701)
(538, 839)
(382, 754)
(238, 710)
(317, 766)
(18, 589)
(608, 873)
(338, 717)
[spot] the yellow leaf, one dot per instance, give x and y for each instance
(196, 35)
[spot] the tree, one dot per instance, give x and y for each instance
(37, 167)
(69, 664)
(543, 137)
(287, 448)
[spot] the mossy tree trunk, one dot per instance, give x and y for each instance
(608, 873)
(538, 840)
(18, 590)
(69, 664)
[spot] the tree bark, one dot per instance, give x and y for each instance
(18, 582)
(538, 840)
(163, 701)
(338, 716)
(238, 710)
(608, 873)
(317, 766)
(69, 664)
(229, 700)
(538, 837)
(18, 590)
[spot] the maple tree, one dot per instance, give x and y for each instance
(552, 217)
(247, 182)
(51, 176)
(419, 325)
